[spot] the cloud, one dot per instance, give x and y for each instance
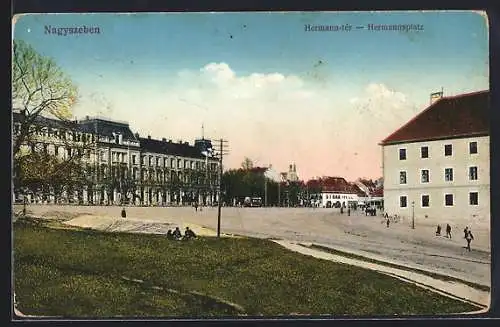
(270, 117)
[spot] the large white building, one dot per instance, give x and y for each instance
(335, 192)
(438, 164)
(121, 167)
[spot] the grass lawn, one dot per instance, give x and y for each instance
(83, 273)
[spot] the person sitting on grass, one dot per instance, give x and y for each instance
(170, 236)
(177, 234)
(189, 234)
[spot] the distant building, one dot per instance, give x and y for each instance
(334, 192)
(120, 166)
(438, 164)
(291, 175)
(372, 192)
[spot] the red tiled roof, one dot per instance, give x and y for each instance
(448, 117)
(378, 192)
(333, 184)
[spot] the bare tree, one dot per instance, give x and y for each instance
(39, 87)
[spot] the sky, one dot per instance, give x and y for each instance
(278, 93)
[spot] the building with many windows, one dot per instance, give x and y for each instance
(438, 164)
(120, 166)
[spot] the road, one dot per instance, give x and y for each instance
(357, 233)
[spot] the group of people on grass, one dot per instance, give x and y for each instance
(467, 234)
(172, 235)
(177, 235)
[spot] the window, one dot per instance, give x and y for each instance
(448, 174)
(402, 177)
(117, 138)
(402, 154)
(473, 147)
(133, 160)
(150, 160)
(403, 201)
(165, 162)
(143, 160)
(448, 200)
(448, 150)
(123, 157)
(473, 173)
(425, 176)
(473, 198)
(172, 163)
(424, 152)
(157, 161)
(425, 201)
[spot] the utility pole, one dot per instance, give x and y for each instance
(221, 150)
(265, 191)
(279, 194)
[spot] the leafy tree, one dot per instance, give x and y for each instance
(247, 164)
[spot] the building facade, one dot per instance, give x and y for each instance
(120, 166)
(437, 165)
(335, 192)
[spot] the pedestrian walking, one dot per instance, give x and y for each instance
(448, 231)
(466, 231)
(348, 211)
(388, 221)
(438, 230)
(469, 238)
(196, 206)
(124, 213)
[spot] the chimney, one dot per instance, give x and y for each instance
(164, 139)
(136, 135)
(169, 141)
(86, 117)
(149, 137)
(436, 96)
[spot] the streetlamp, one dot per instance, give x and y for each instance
(413, 214)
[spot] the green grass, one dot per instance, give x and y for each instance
(73, 273)
(392, 265)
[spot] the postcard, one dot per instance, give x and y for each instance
(251, 164)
